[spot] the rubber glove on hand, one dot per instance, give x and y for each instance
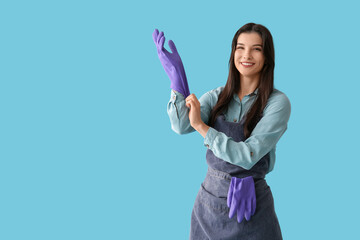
(172, 64)
(242, 198)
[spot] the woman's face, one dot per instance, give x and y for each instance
(249, 50)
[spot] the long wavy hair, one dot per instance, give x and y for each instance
(266, 83)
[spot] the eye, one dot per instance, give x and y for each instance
(258, 49)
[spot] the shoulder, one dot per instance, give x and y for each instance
(216, 91)
(278, 95)
(278, 100)
(211, 97)
(213, 93)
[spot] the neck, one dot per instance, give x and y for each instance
(248, 84)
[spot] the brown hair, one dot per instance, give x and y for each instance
(266, 83)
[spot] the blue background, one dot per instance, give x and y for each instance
(87, 150)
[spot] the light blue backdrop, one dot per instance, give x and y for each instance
(87, 151)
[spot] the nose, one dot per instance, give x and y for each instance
(247, 54)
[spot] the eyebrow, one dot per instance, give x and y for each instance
(253, 45)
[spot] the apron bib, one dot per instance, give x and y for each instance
(210, 214)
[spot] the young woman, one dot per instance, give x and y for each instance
(241, 123)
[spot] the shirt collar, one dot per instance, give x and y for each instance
(256, 91)
(236, 97)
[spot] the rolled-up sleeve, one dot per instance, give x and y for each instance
(179, 113)
(263, 138)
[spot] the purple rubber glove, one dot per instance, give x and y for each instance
(172, 64)
(242, 198)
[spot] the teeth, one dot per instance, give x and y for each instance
(248, 64)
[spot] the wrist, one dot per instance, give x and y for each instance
(202, 128)
(198, 125)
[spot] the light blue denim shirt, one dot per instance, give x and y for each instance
(245, 154)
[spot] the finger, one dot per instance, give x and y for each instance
(233, 206)
(161, 42)
(247, 210)
(232, 210)
(189, 100)
(192, 103)
(155, 34)
(172, 46)
(191, 96)
(240, 212)
(188, 97)
(230, 194)
(159, 36)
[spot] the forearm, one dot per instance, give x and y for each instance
(202, 128)
(178, 114)
(226, 148)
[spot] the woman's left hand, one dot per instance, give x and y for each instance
(194, 115)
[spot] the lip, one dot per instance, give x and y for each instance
(247, 66)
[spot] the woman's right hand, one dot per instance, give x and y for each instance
(172, 64)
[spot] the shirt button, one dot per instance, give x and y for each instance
(235, 119)
(251, 153)
(174, 97)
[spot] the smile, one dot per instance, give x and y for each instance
(247, 64)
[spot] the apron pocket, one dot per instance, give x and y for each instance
(217, 204)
